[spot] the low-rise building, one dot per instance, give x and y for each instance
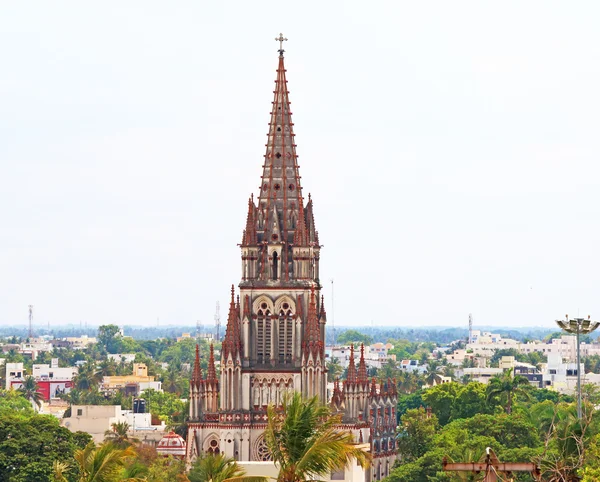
(133, 384)
(121, 357)
(97, 419)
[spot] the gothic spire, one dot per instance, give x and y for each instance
(312, 342)
(322, 314)
(212, 372)
(249, 237)
(197, 372)
(232, 344)
(362, 367)
(351, 376)
(280, 193)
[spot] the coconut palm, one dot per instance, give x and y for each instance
(104, 463)
(30, 390)
(59, 471)
(305, 442)
(87, 377)
(507, 387)
(118, 436)
(215, 468)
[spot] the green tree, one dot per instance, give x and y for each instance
(31, 392)
(334, 369)
(119, 435)
(109, 337)
(441, 398)
(305, 443)
(470, 400)
(507, 387)
(214, 468)
(29, 445)
(348, 337)
(104, 463)
(415, 434)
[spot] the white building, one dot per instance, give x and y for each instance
(97, 419)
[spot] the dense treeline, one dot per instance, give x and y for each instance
(518, 422)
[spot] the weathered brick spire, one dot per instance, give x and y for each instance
(249, 236)
(313, 345)
(212, 372)
(197, 372)
(362, 367)
(232, 344)
(351, 376)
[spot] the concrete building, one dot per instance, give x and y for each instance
(51, 379)
(133, 384)
(122, 357)
(97, 419)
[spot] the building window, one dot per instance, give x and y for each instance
(79, 412)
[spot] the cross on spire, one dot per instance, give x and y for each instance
(281, 39)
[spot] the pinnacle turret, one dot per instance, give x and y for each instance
(211, 374)
(351, 377)
(232, 344)
(362, 366)
(313, 343)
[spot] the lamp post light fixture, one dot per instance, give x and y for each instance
(578, 326)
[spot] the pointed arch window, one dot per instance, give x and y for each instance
(285, 338)
(263, 337)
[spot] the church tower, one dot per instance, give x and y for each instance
(275, 335)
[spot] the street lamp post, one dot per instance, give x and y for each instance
(578, 326)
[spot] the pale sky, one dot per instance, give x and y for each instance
(452, 150)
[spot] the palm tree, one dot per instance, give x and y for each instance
(59, 469)
(215, 468)
(107, 368)
(30, 391)
(507, 387)
(118, 436)
(304, 441)
(87, 377)
(103, 463)
(334, 369)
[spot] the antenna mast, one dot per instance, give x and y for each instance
(332, 314)
(30, 321)
(470, 328)
(217, 321)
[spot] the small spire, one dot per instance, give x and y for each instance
(373, 387)
(197, 372)
(250, 238)
(351, 376)
(313, 343)
(362, 367)
(322, 314)
(232, 344)
(212, 372)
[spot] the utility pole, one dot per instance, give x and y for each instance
(217, 321)
(30, 321)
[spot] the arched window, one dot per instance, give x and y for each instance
(263, 337)
(285, 330)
